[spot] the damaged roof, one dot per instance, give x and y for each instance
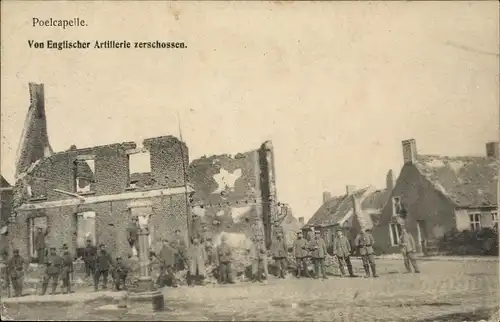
(468, 182)
(335, 209)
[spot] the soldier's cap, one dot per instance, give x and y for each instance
(317, 232)
(340, 229)
(118, 258)
(177, 230)
(299, 232)
(101, 245)
(52, 248)
(16, 251)
(368, 230)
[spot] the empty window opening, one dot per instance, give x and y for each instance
(36, 236)
(140, 170)
(84, 175)
(396, 206)
(85, 230)
(144, 216)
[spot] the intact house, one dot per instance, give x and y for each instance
(355, 210)
(436, 194)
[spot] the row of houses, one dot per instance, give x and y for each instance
(432, 195)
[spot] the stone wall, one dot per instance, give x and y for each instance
(111, 178)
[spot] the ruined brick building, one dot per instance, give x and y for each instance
(93, 192)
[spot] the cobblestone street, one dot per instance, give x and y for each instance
(445, 291)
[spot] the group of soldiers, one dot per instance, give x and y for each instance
(200, 257)
(315, 249)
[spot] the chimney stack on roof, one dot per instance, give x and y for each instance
(389, 181)
(492, 150)
(350, 189)
(326, 196)
(409, 151)
(301, 220)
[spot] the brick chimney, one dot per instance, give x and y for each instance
(326, 196)
(492, 150)
(349, 190)
(409, 151)
(389, 180)
(301, 220)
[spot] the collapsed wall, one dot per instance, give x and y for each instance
(235, 196)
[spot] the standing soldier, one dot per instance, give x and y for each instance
(167, 263)
(16, 266)
(89, 256)
(67, 269)
(5, 271)
(278, 231)
(317, 246)
(181, 254)
(197, 260)
(279, 253)
(342, 250)
(53, 268)
(258, 255)
(408, 248)
(40, 245)
(120, 273)
(300, 253)
(224, 256)
(103, 264)
(195, 227)
(133, 235)
(364, 241)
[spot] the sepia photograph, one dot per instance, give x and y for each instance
(249, 160)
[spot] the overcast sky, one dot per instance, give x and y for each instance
(335, 86)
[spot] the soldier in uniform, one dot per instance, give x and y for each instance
(40, 245)
(224, 256)
(89, 255)
(364, 242)
(342, 250)
(103, 264)
(181, 254)
(133, 234)
(15, 267)
(120, 272)
(318, 250)
(53, 269)
(300, 253)
(258, 255)
(197, 260)
(196, 227)
(5, 271)
(67, 269)
(279, 252)
(167, 264)
(408, 248)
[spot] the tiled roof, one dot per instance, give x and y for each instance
(334, 210)
(466, 181)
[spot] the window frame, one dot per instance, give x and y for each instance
(494, 216)
(393, 199)
(474, 221)
(398, 230)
